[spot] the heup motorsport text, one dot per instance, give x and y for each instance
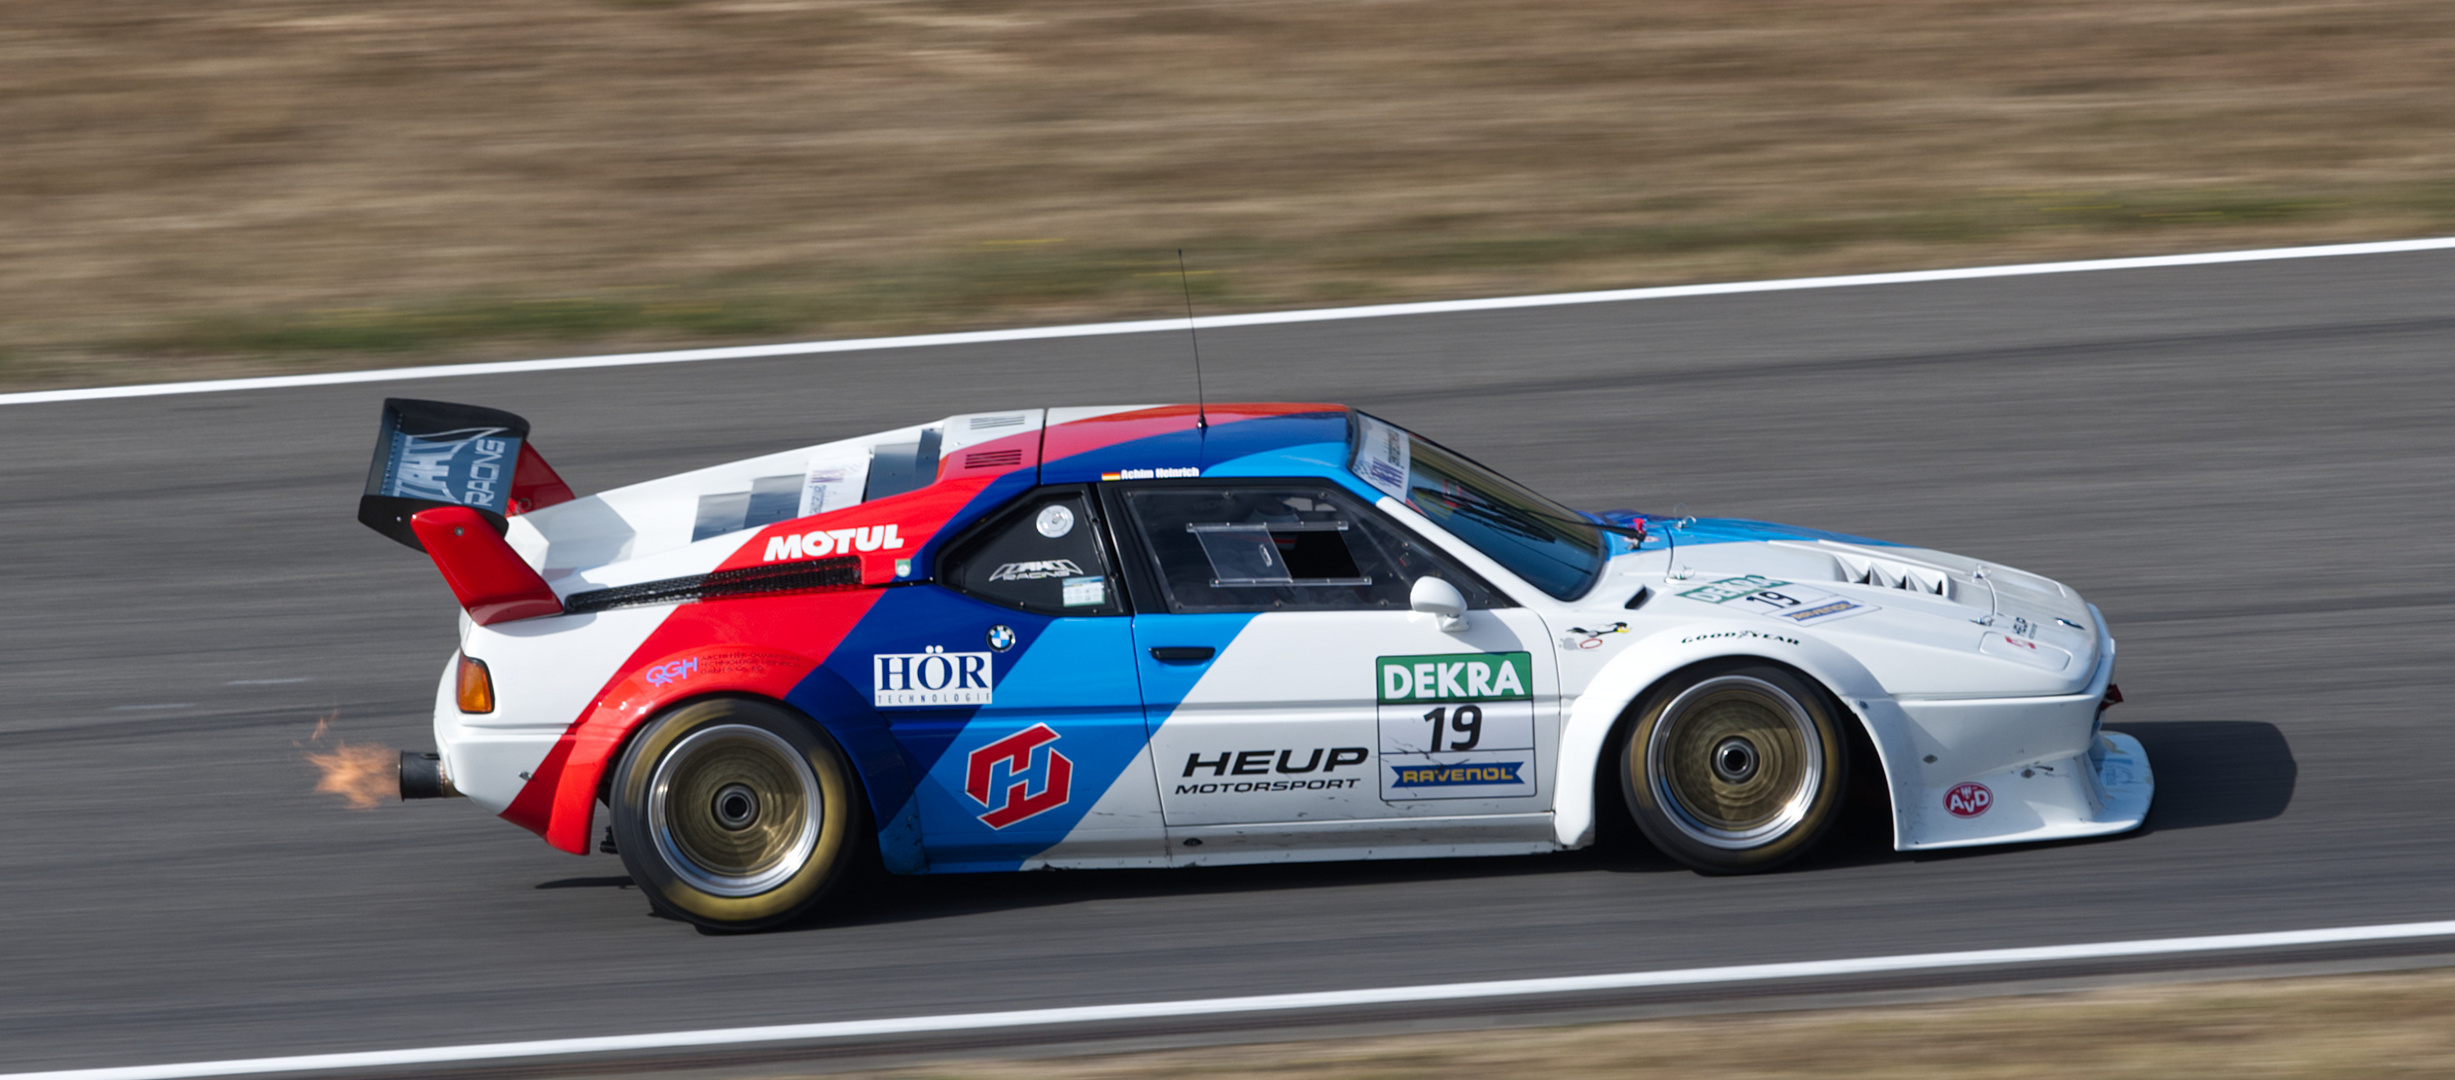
(1261, 763)
(1456, 725)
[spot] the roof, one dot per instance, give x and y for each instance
(1083, 445)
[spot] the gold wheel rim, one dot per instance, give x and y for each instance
(1735, 762)
(734, 809)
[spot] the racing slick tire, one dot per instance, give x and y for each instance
(735, 813)
(1735, 768)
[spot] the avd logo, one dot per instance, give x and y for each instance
(1968, 800)
(935, 677)
(1027, 761)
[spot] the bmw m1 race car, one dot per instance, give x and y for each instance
(1169, 636)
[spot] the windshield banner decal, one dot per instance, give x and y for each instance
(1382, 457)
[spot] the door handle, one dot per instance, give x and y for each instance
(1182, 652)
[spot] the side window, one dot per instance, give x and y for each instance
(1043, 555)
(1284, 548)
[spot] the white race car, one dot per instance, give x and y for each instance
(1167, 636)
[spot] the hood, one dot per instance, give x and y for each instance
(1948, 625)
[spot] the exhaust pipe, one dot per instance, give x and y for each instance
(422, 777)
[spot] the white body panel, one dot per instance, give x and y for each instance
(1284, 742)
(1941, 707)
(546, 677)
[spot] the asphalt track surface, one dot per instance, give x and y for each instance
(2250, 468)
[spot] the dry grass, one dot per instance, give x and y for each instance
(195, 189)
(2376, 1027)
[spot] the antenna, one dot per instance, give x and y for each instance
(1671, 570)
(1201, 414)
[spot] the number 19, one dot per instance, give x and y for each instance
(1468, 722)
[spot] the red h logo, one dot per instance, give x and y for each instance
(1013, 803)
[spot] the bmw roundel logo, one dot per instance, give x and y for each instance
(1001, 638)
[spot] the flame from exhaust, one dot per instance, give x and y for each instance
(366, 775)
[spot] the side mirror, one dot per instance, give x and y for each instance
(1441, 600)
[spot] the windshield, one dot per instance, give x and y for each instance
(1550, 545)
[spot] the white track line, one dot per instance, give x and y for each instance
(845, 1029)
(1266, 318)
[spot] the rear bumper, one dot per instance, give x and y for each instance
(488, 757)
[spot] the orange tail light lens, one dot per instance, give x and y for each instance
(476, 687)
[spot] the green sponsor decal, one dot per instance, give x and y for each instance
(1732, 588)
(1443, 677)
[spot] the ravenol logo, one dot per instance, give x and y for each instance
(432, 466)
(1024, 752)
(1445, 677)
(1418, 776)
(935, 677)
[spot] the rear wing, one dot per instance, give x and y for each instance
(445, 480)
(431, 454)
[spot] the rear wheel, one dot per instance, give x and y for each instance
(1735, 769)
(735, 814)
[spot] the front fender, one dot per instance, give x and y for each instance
(1586, 733)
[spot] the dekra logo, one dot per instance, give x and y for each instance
(1455, 677)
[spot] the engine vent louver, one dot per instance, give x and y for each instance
(1893, 575)
(1010, 420)
(843, 573)
(991, 459)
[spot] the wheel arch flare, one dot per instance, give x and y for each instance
(878, 769)
(1586, 732)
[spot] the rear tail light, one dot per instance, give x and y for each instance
(476, 687)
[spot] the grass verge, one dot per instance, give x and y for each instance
(2374, 1026)
(206, 190)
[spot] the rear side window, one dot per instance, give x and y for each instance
(1044, 555)
(1283, 549)
(896, 468)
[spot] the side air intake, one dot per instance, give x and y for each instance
(812, 576)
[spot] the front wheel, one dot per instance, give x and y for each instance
(734, 814)
(1736, 769)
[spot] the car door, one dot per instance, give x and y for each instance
(1023, 701)
(1295, 701)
